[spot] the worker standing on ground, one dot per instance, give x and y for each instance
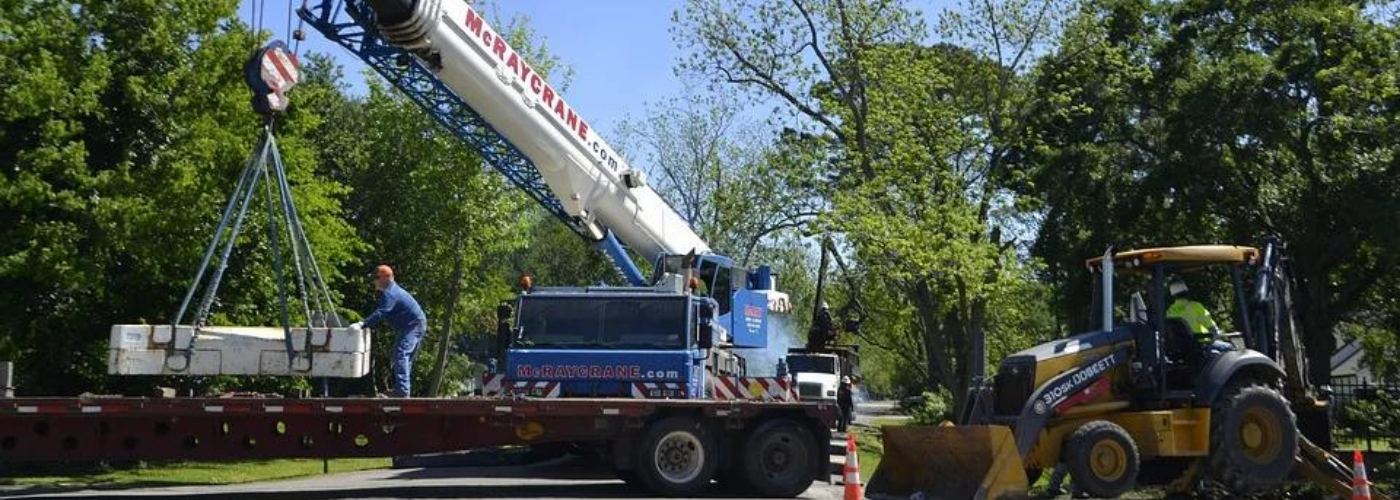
(402, 312)
(845, 400)
(1196, 317)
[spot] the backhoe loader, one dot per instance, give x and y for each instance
(1137, 401)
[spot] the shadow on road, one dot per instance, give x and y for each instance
(567, 477)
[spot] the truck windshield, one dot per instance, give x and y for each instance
(603, 323)
(811, 364)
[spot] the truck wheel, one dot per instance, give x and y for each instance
(1254, 438)
(676, 457)
(732, 480)
(1102, 459)
(780, 459)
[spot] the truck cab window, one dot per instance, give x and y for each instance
(604, 323)
(720, 290)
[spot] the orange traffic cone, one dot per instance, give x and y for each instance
(851, 473)
(1360, 486)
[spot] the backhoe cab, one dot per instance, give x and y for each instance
(1138, 400)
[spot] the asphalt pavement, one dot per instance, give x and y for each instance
(564, 478)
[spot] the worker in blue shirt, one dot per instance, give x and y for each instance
(397, 308)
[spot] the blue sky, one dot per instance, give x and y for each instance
(620, 50)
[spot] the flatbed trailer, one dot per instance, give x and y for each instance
(671, 447)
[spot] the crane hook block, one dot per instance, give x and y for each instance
(271, 73)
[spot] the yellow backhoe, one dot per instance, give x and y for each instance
(1139, 400)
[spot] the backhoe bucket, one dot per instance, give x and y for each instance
(949, 462)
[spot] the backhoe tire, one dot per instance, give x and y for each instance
(676, 456)
(780, 459)
(1102, 459)
(1253, 438)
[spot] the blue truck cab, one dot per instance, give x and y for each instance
(660, 341)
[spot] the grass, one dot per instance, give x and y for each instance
(868, 446)
(1382, 445)
(177, 473)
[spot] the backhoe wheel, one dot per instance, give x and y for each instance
(1102, 459)
(676, 457)
(780, 459)
(1253, 438)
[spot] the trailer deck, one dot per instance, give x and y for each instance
(124, 428)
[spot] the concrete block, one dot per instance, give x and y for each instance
(237, 350)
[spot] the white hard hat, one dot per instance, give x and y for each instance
(845, 380)
(1177, 287)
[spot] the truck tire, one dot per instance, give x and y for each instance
(1102, 459)
(732, 480)
(780, 459)
(676, 456)
(1253, 438)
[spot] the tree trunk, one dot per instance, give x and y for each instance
(1318, 340)
(444, 343)
(939, 343)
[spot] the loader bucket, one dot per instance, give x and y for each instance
(949, 462)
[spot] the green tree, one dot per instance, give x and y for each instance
(1190, 122)
(122, 127)
(427, 207)
(917, 139)
(715, 167)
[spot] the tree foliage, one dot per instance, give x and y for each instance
(116, 118)
(965, 168)
(122, 128)
(1186, 122)
(717, 169)
(915, 137)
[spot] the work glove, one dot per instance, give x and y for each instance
(358, 325)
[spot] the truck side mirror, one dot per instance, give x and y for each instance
(706, 334)
(705, 328)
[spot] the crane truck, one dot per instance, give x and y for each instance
(671, 336)
(646, 372)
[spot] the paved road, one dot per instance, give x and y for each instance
(867, 411)
(559, 479)
(562, 479)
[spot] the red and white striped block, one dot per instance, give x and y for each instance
(657, 390)
(752, 389)
(491, 384)
(536, 389)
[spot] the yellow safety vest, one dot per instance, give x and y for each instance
(1196, 317)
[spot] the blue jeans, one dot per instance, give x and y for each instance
(405, 346)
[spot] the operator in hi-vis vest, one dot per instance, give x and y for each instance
(1196, 317)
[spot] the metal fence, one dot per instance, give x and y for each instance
(1367, 414)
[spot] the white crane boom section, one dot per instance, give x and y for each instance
(593, 183)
